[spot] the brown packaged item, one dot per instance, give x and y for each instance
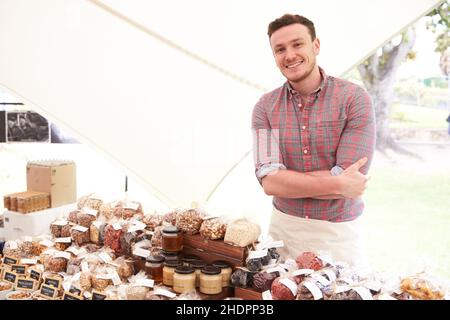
(26, 202)
(57, 178)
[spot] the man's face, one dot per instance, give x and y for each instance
(294, 51)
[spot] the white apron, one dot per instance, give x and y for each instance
(343, 241)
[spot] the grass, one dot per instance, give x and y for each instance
(409, 116)
(408, 220)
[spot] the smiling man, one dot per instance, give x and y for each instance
(314, 139)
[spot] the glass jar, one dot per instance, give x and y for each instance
(168, 271)
(183, 279)
(188, 259)
(170, 255)
(154, 268)
(172, 239)
(226, 271)
(198, 265)
(211, 280)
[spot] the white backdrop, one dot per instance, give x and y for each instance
(165, 89)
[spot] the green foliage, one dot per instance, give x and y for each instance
(439, 23)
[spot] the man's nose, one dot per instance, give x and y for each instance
(290, 54)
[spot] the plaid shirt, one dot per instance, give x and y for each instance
(334, 128)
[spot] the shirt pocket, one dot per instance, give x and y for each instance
(325, 135)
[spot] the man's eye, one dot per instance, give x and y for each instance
(279, 50)
(298, 45)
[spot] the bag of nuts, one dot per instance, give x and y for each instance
(56, 228)
(86, 216)
(97, 231)
(190, 221)
(242, 232)
(152, 221)
(128, 209)
(213, 229)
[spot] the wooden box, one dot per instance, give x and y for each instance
(212, 250)
(247, 294)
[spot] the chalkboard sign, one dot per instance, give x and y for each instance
(98, 295)
(10, 276)
(70, 296)
(10, 260)
(76, 291)
(36, 275)
(25, 284)
(19, 269)
(55, 282)
(48, 291)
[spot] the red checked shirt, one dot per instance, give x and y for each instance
(330, 130)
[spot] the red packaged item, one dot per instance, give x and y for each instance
(284, 289)
(112, 237)
(309, 260)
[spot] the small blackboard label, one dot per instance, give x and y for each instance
(48, 291)
(10, 276)
(75, 290)
(19, 269)
(55, 282)
(10, 260)
(25, 284)
(36, 275)
(98, 295)
(71, 296)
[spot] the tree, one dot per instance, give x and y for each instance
(379, 70)
(440, 23)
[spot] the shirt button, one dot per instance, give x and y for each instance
(299, 105)
(303, 127)
(305, 151)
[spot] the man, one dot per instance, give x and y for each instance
(314, 141)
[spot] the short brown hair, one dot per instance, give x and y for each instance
(288, 19)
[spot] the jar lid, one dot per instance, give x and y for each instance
(172, 263)
(190, 258)
(221, 264)
(198, 264)
(171, 229)
(211, 270)
(169, 255)
(184, 270)
(155, 259)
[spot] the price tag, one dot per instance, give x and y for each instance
(364, 293)
(266, 295)
(373, 285)
(97, 224)
(290, 284)
(10, 276)
(80, 228)
(48, 291)
(46, 243)
(26, 284)
(62, 254)
(257, 254)
(60, 223)
(141, 252)
(28, 261)
(340, 289)
(96, 295)
(137, 226)
(84, 266)
(76, 291)
(73, 250)
(324, 281)
(276, 244)
(64, 240)
(53, 282)
(27, 239)
(275, 269)
(89, 211)
(105, 257)
(311, 286)
(302, 272)
(19, 269)
(10, 260)
(71, 296)
(330, 274)
(131, 205)
(35, 274)
(144, 283)
(164, 292)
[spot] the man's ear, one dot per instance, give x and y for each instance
(316, 45)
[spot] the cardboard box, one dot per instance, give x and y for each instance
(26, 202)
(58, 178)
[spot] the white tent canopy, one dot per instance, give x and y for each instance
(165, 89)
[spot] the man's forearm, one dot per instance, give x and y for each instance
(324, 173)
(293, 184)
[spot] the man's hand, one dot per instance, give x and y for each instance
(353, 182)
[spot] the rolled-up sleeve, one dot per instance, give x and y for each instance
(358, 138)
(266, 151)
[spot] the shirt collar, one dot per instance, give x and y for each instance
(323, 82)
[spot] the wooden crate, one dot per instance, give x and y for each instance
(212, 250)
(247, 294)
